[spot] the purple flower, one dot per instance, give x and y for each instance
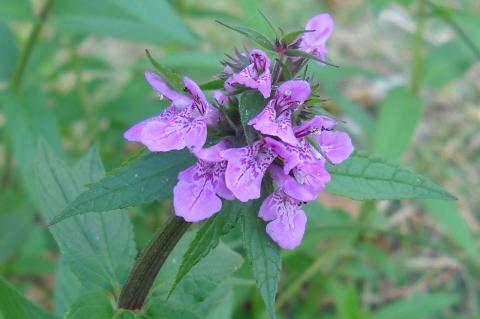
(275, 118)
(245, 169)
(183, 123)
(314, 42)
(305, 162)
(196, 195)
(285, 217)
(336, 146)
(256, 75)
(220, 97)
(307, 166)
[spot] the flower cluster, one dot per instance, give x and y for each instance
(291, 143)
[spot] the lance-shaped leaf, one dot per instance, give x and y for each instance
(364, 177)
(263, 255)
(251, 103)
(208, 237)
(94, 305)
(251, 34)
(212, 85)
(97, 248)
(299, 53)
(143, 180)
(15, 306)
(292, 36)
(171, 77)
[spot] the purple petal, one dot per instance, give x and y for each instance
(316, 123)
(323, 25)
(189, 174)
(212, 116)
(159, 85)
(212, 153)
(256, 75)
(292, 155)
(195, 201)
(227, 69)
(290, 186)
(228, 86)
(312, 174)
(220, 97)
(221, 188)
(337, 146)
(291, 94)
(199, 100)
(134, 134)
(269, 123)
(245, 169)
(260, 60)
(288, 234)
(179, 131)
(286, 219)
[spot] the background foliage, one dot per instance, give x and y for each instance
(408, 87)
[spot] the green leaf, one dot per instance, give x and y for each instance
(292, 36)
(263, 255)
(146, 179)
(212, 85)
(299, 53)
(28, 121)
(144, 21)
(452, 223)
(417, 306)
(14, 230)
(98, 248)
(165, 310)
(91, 306)
(8, 52)
(208, 237)
(365, 177)
(251, 34)
(67, 288)
(397, 119)
(171, 77)
(251, 103)
(204, 287)
(15, 306)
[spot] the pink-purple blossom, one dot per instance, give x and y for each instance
(256, 75)
(292, 144)
(276, 118)
(245, 169)
(319, 28)
(197, 193)
(283, 213)
(183, 123)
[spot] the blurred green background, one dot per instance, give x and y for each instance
(408, 87)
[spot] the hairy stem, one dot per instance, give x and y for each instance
(27, 51)
(151, 260)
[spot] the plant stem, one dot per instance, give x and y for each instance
(27, 51)
(147, 266)
(417, 47)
